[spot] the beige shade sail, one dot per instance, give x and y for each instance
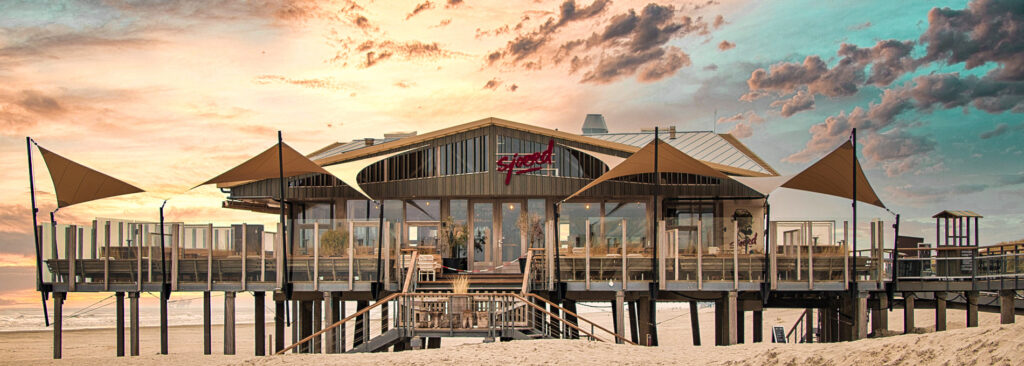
(74, 183)
(670, 160)
(832, 175)
(349, 170)
(611, 161)
(265, 166)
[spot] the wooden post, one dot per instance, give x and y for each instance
(119, 313)
(809, 234)
(694, 323)
(1006, 306)
(879, 317)
(245, 253)
(586, 254)
(740, 324)
(316, 255)
(908, 312)
(317, 325)
(940, 311)
(620, 297)
(133, 323)
(58, 323)
(735, 255)
(106, 275)
(972, 308)
(70, 244)
(261, 322)
(177, 240)
(758, 326)
(846, 255)
(809, 326)
(351, 254)
(622, 248)
(207, 331)
(330, 340)
(387, 254)
(209, 257)
(860, 306)
(229, 323)
(700, 254)
(730, 318)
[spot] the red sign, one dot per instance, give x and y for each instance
(520, 164)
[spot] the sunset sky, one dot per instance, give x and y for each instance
(167, 94)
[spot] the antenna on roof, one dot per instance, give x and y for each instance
(714, 122)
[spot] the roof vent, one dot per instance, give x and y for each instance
(594, 124)
(368, 141)
(671, 132)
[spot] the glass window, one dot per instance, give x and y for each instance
(536, 216)
(362, 210)
(423, 210)
(572, 224)
(634, 215)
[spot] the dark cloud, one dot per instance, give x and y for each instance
(493, 84)
(39, 103)
(529, 44)
(999, 130)
(419, 9)
(719, 21)
(896, 150)
(801, 101)
(726, 45)
(443, 23)
(377, 51)
(986, 31)
(453, 3)
(513, 87)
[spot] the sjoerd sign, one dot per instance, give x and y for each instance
(521, 164)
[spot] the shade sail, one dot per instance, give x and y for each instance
(74, 183)
(266, 166)
(670, 160)
(832, 175)
(610, 160)
(349, 170)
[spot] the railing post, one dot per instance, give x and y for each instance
(245, 236)
(846, 255)
(700, 253)
(661, 253)
(586, 252)
(209, 257)
(735, 254)
(316, 256)
(809, 234)
(351, 254)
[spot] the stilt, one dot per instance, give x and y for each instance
(694, 323)
(809, 326)
(278, 325)
(861, 315)
(617, 309)
(720, 334)
(908, 312)
(329, 311)
(119, 313)
(295, 325)
(643, 321)
(306, 325)
(229, 323)
(940, 311)
(163, 323)
(207, 326)
(879, 316)
(633, 330)
(1006, 306)
(317, 325)
(740, 324)
(571, 306)
(758, 327)
(972, 308)
(730, 314)
(58, 323)
(261, 322)
(825, 319)
(341, 330)
(361, 322)
(434, 342)
(133, 322)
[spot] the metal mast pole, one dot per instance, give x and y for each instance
(380, 248)
(35, 231)
(653, 318)
(284, 225)
(853, 139)
(165, 288)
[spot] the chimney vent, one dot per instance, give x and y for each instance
(368, 141)
(671, 132)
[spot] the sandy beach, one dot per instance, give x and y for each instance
(997, 344)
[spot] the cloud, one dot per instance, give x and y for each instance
(710, 67)
(493, 84)
(419, 9)
(726, 45)
(986, 31)
(748, 116)
(529, 44)
(719, 21)
(925, 193)
(377, 51)
(316, 83)
(999, 130)
(741, 131)
(513, 87)
(801, 101)
(896, 150)
(453, 3)
(41, 104)
(860, 26)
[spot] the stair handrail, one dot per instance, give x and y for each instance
(340, 322)
(527, 272)
(796, 325)
(578, 318)
(411, 272)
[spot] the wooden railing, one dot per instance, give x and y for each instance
(593, 326)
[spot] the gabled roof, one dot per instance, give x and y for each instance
(725, 164)
(706, 146)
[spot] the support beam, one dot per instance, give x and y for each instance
(634, 332)
(618, 310)
(940, 311)
(643, 321)
(329, 311)
(880, 316)
(694, 323)
(860, 315)
(972, 308)
(133, 322)
(58, 322)
(1006, 307)
(305, 321)
(730, 315)
(259, 305)
(229, 323)
(278, 325)
(119, 313)
(163, 323)
(317, 325)
(908, 312)
(809, 326)
(207, 326)
(433, 342)
(740, 324)
(758, 326)
(341, 330)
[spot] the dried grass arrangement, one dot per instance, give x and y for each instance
(460, 285)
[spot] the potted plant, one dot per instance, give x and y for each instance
(454, 237)
(334, 243)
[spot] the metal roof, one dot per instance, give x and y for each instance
(702, 145)
(343, 147)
